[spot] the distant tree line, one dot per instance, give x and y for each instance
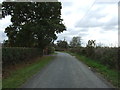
(64, 45)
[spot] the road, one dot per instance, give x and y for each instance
(66, 72)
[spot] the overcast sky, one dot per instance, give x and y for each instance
(89, 19)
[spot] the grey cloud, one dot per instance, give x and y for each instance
(67, 4)
(82, 30)
(111, 25)
(113, 21)
(95, 13)
(110, 28)
(92, 20)
(2, 36)
(69, 37)
(66, 7)
(70, 33)
(88, 22)
(66, 36)
(82, 34)
(74, 32)
(96, 23)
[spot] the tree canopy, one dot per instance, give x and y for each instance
(62, 44)
(91, 43)
(75, 42)
(34, 24)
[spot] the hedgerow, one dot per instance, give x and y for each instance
(15, 55)
(107, 56)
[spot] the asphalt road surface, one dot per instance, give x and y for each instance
(66, 72)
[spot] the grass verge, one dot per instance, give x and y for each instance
(110, 74)
(19, 76)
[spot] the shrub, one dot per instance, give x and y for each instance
(106, 56)
(90, 52)
(51, 50)
(12, 56)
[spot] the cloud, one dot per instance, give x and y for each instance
(109, 28)
(100, 16)
(99, 22)
(67, 4)
(4, 22)
(100, 35)
(2, 36)
(73, 11)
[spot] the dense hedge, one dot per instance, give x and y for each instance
(51, 50)
(12, 56)
(106, 56)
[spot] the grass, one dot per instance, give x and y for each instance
(19, 76)
(110, 74)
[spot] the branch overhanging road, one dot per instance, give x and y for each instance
(66, 72)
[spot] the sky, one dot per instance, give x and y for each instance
(88, 19)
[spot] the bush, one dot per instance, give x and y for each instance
(90, 52)
(106, 56)
(12, 56)
(51, 50)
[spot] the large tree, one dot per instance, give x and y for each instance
(34, 24)
(75, 42)
(62, 44)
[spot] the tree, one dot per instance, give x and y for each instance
(0, 10)
(34, 24)
(62, 44)
(91, 43)
(90, 48)
(75, 42)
